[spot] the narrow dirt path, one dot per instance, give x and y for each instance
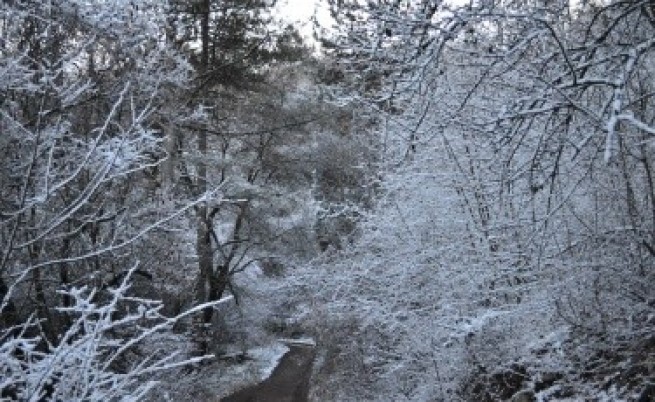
(289, 382)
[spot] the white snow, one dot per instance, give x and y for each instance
(267, 358)
(309, 342)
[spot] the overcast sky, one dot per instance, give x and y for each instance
(300, 10)
(300, 13)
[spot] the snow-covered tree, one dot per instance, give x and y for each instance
(518, 198)
(82, 84)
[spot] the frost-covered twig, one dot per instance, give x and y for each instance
(80, 367)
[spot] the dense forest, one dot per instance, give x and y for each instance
(444, 201)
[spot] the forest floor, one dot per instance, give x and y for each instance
(289, 381)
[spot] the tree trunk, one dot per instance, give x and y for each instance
(8, 314)
(203, 234)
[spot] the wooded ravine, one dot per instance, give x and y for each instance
(439, 200)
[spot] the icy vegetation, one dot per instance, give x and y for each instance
(444, 203)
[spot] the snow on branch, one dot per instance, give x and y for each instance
(82, 365)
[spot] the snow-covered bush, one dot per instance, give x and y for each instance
(106, 353)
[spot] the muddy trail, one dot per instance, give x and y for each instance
(289, 382)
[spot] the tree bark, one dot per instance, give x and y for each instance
(203, 233)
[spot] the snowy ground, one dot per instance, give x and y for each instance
(222, 376)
